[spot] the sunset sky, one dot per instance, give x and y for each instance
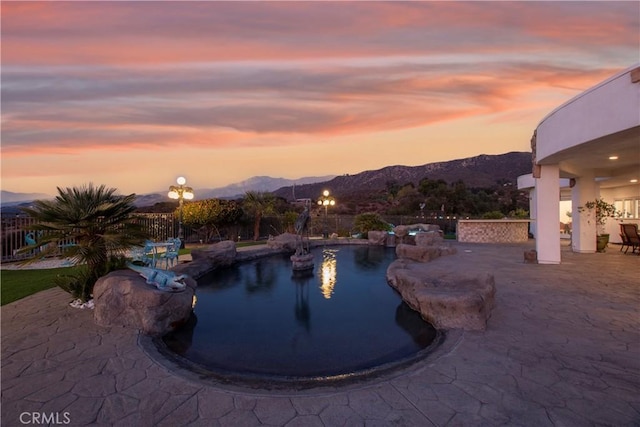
(134, 94)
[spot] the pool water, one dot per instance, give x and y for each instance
(259, 318)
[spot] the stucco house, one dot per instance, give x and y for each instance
(587, 148)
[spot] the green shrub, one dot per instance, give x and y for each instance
(519, 213)
(117, 262)
(79, 285)
(369, 221)
(493, 215)
(343, 232)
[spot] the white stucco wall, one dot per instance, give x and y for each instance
(583, 119)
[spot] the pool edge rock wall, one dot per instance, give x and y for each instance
(123, 298)
(447, 299)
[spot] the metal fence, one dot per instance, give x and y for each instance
(14, 232)
(15, 228)
(161, 226)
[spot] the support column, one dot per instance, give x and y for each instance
(583, 236)
(547, 202)
(533, 214)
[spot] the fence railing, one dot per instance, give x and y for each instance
(14, 231)
(161, 226)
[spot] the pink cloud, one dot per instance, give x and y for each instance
(126, 75)
(336, 102)
(170, 32)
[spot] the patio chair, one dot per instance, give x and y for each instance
(170, 256)
(629, 234)
(143, 254)
(30, 239)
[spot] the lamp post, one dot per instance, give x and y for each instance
(180, 192)
(326, 201)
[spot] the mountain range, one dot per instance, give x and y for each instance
(481, 171)
(257, 183)
(477, 172)
(10, 198)
(236, 190)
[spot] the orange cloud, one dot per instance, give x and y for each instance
(82, 77)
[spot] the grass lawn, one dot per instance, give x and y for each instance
(16, 284)
(250, 243)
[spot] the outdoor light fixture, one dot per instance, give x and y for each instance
(613, 157)
(180, 192)
(326, 201)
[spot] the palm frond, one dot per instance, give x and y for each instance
(99, 222)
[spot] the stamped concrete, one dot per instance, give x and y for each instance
(562, 348)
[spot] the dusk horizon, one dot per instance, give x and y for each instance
(249, 182)
(134, 94)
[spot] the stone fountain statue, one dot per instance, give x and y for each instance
(302, 259)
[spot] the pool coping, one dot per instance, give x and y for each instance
(156, 350)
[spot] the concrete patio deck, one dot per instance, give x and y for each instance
(562, 348)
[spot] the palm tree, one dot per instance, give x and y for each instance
(258, 204)
(88, 224)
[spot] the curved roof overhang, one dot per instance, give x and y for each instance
(600, 123)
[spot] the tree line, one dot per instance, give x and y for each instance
(220, 218)
(456, 199)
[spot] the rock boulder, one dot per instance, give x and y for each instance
(429, 238)
(219, 255)
(391, 241)
(284, 242)
(376, 237)
(123, 298)
(447, 299)
(422, 253)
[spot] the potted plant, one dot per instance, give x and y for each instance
(603, 210)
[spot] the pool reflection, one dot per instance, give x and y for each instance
(328, 272)
(302, 309)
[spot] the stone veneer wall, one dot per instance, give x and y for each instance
(493, 230)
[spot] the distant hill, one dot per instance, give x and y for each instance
(477, 172)
(7, 197)
(150, 199)
(233, 191)
(256, 183)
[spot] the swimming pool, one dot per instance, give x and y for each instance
(260, 319)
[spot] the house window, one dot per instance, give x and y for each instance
(629, 208)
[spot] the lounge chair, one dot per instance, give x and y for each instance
(625, 241)
(630, 237)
